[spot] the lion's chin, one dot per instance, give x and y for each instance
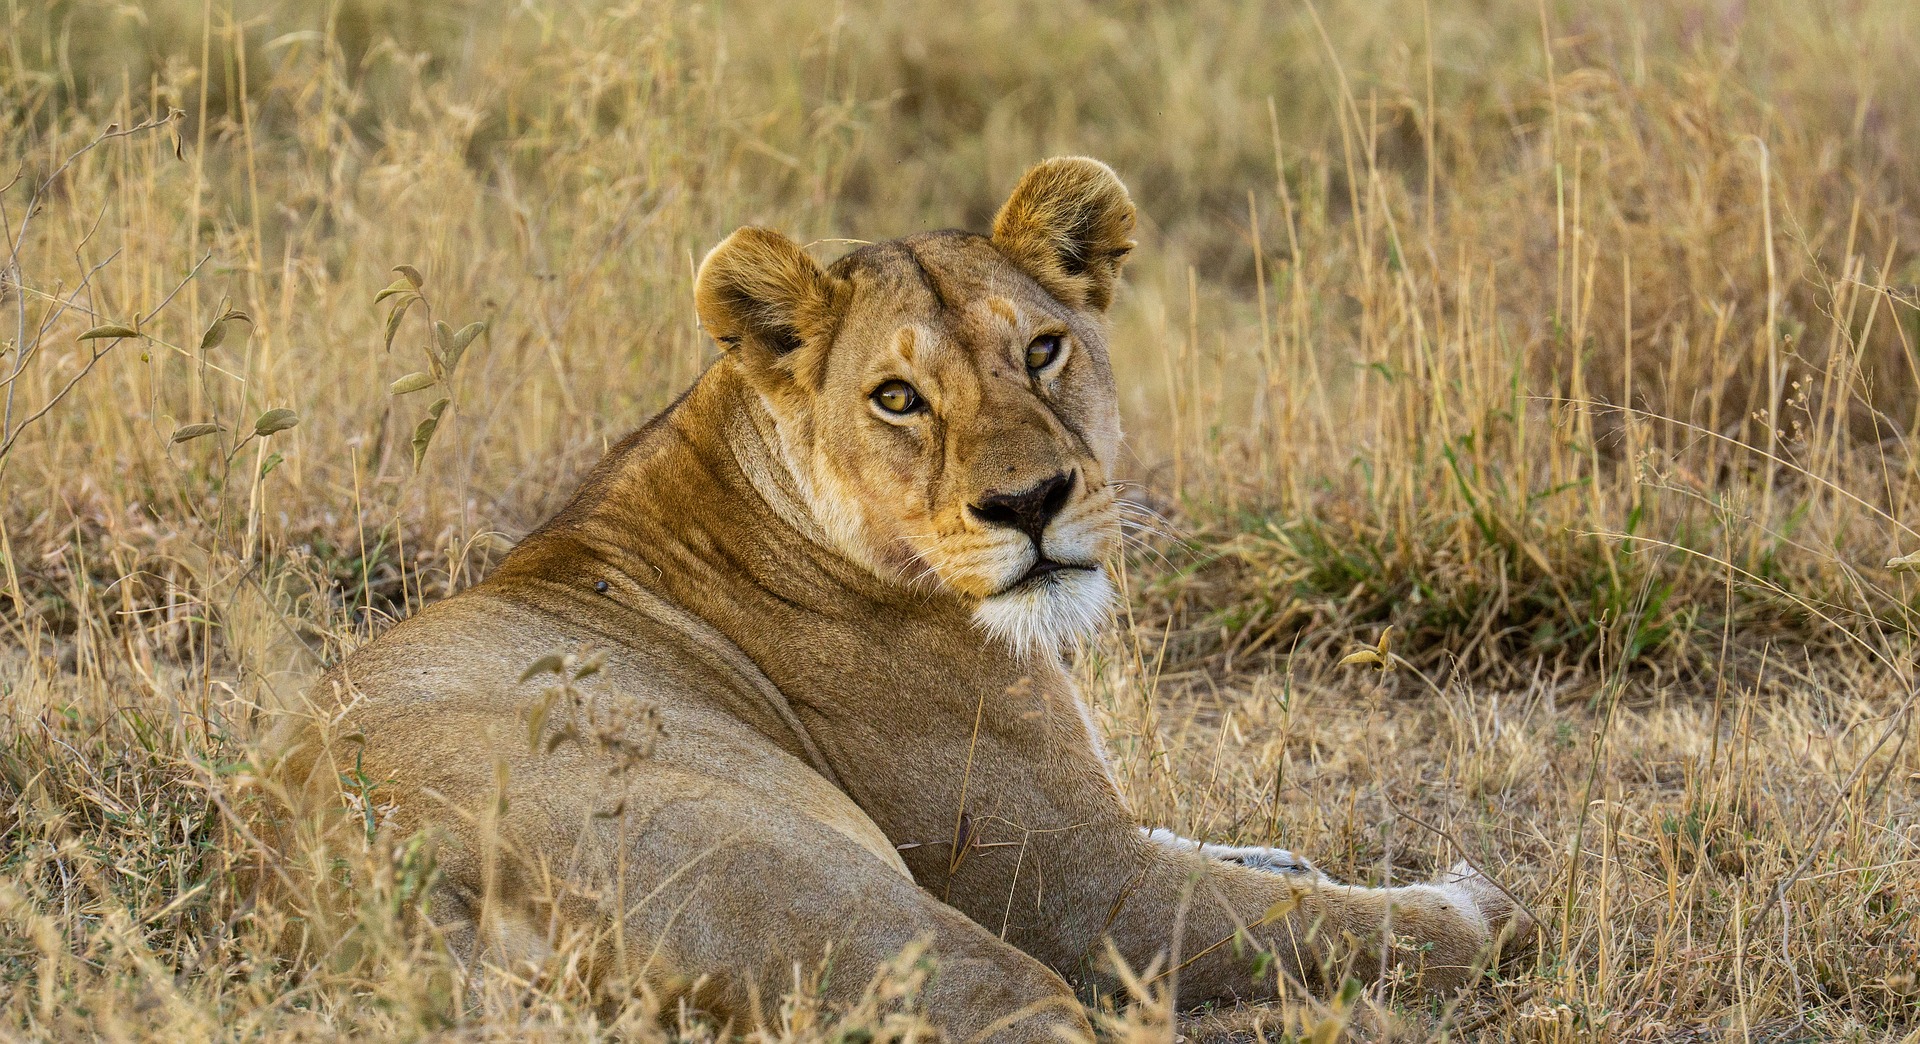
(1047, 611)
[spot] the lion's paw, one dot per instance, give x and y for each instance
(1269, 860)
(1503, 918)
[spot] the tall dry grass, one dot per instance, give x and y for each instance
(1579, 344)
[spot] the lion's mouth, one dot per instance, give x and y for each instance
(1042, 568)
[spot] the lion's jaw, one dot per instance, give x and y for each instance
(1048, 611)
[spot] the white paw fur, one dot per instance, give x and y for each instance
(1271, 860)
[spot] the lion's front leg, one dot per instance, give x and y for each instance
(1440, 934)
(1045, 854)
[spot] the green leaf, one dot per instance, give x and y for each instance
(275, 420)
(393, 318)
(411, 275)
(217, 333)
(422, 438)
(412, 382)
(551, 663)
(537, 714)
(109, 330)
(590, 665)
(398, 286)
(194, 431)
(423, 432)
(1280, 909)
(437, 348)
(273, 461)
(457, 347)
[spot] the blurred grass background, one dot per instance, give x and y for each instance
(1579, 343)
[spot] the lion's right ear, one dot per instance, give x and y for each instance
(1069, 224)
(759, 291)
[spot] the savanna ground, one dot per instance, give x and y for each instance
(1565, 355)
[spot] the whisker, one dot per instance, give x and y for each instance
(1136, 542)
(1135, 505)
(1147, 525)
(1141, 510)
(930, 572)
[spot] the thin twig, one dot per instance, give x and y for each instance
(20, 241)
(143, 320)
(6, 447)
(60, 308)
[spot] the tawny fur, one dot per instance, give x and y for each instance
(866, 732)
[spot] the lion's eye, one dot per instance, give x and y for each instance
(1043, 351)
(897, 397)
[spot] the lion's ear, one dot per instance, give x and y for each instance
(759, 291)
(1069, 224)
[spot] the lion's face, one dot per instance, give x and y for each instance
(969, 421)
(944, 401)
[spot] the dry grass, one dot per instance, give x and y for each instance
(1579, 343)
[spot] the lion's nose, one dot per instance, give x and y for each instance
(1028, 511)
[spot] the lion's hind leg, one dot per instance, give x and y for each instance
(798, 885)
(728, 893)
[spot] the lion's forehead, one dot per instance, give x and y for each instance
(944, 337)
(946, 275)
(1007, 311)
(907, 329)
(987, 326)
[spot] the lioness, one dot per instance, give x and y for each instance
(825, 595)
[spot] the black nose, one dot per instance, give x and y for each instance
(1028, 511)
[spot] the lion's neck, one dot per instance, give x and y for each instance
(703, 507)
(706, 492)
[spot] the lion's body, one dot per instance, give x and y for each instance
(793, 739)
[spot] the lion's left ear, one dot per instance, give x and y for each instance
(1068, 224)
(768, 303)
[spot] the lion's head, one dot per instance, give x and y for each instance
(944, 401)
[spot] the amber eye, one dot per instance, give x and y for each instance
(897, 397)
(1043, 351)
